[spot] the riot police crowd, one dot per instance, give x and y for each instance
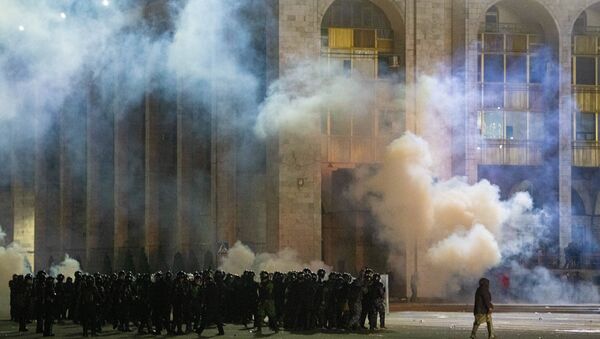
(186, 302)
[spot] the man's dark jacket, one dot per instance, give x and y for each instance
(483, 298)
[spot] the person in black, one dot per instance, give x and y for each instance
(483, 308)
(160, 303)
(88, 304)
(38, 295)
(49, 309)
(23, 290)
(180, 297)
(12, 285)
(212, 298)
(60, 298)
(330, 301)
(377, 294)
(266, 303)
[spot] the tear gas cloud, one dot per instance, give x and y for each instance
(240, 258)
(54, 54)
(12, 261)
(462, 230)
(67, 267)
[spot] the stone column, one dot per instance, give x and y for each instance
(224, 165)
(151, 221)
(565, 150)
(100, 179)
(22, 160)
(122, 186)
(47, 191)
(298, 157)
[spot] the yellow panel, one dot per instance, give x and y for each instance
(585, 44)
(340, 38)
(516, 43)
(586, 101)
(384, 45)
(493, 42)
(364, 38)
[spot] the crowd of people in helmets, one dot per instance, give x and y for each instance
(186, 302)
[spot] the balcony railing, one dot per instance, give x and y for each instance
(587, 30)
(512, 28)
(586, 153)
(510, 152)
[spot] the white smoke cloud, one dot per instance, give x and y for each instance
(540, 285)
(240, 258)
(297, 98)
(67, 267)
(12, 261)
(461, 226)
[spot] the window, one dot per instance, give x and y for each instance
(537, 69)
(362, 125)
(586, 126)
(364, 38)
(491, 18)
(493, 68)
(585, 73)
(493, 42)
(516, 125)
(340, 123)
(493, 125)
(493, 96)
(516, 68)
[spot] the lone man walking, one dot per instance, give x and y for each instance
(483, 308)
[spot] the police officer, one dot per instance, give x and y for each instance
(266, 303)
(377, 294)
(49, 309)
(23, 289)
(88, 304)
(212, 299)
(60, 298)
(38, 295)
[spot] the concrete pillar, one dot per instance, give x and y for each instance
(224, 165)
(565, 150)
(22, 159)
(298, 157)
(73, 173)
(100, 179)
(151, 221)
(122, 186)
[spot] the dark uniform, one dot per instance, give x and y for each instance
(160, 304)
(38, 295)
(211, 312)
(377, 294)
(266, 302)
(88, 305)
(483, 308)
(49, 309)
(23, 291)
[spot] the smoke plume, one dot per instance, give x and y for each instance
(12, 261)
(240, 258)
(67, 267)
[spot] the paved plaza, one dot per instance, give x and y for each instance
(534, 324)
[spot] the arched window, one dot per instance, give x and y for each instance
(491, 17)
(581, 23)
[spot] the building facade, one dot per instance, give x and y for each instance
(529, 70)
